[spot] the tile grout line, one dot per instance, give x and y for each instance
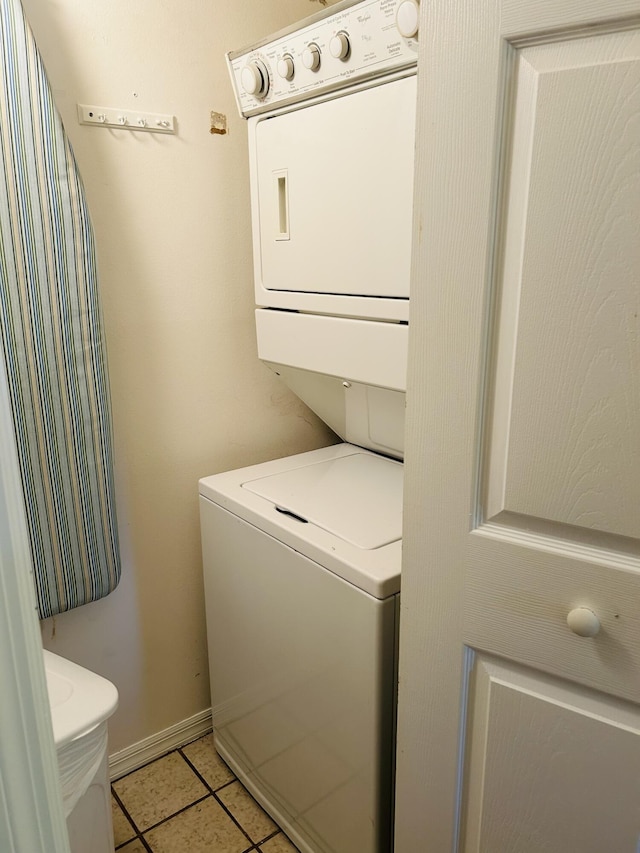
(146, 844)
(215, 791)
(134, 825)
(141, 833)
(255, 846)
(201, 777)
(175, 814)
(219, 801)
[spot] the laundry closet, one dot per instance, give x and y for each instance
(302, 554)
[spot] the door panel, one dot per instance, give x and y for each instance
(559, 525)
(520, 19)
(334, 184)
(575, 785)
(517, 605)
(569, 333)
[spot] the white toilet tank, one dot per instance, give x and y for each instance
(81, 702)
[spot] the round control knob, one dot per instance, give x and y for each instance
(339, 46)
(408, 18)
(311, 57)
(583, 622)
(255, 79)
(286, 68)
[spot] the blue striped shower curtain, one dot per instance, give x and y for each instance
(50, 322)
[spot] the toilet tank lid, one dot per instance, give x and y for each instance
(79, 699)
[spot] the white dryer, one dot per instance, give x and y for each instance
(302, 555)
(331, 124)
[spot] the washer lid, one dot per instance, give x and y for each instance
(357, 498)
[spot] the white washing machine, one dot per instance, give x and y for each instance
(302, 555)
(302, 577)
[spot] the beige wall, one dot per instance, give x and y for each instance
(171, 216)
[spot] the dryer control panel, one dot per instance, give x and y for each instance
(348, 43)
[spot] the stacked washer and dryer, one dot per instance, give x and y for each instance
(302, 555)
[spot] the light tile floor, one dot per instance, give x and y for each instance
(189, 801)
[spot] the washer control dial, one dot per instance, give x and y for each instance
(286, 68)
(255, 78)
(339, 46)
(311, 57)
(408, 18)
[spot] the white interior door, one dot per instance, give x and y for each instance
(517, 735)
(31, 810)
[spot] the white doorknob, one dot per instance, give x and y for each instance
(583, 622)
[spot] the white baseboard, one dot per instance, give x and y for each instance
(141, 753)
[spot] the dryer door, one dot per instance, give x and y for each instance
(333, 189)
